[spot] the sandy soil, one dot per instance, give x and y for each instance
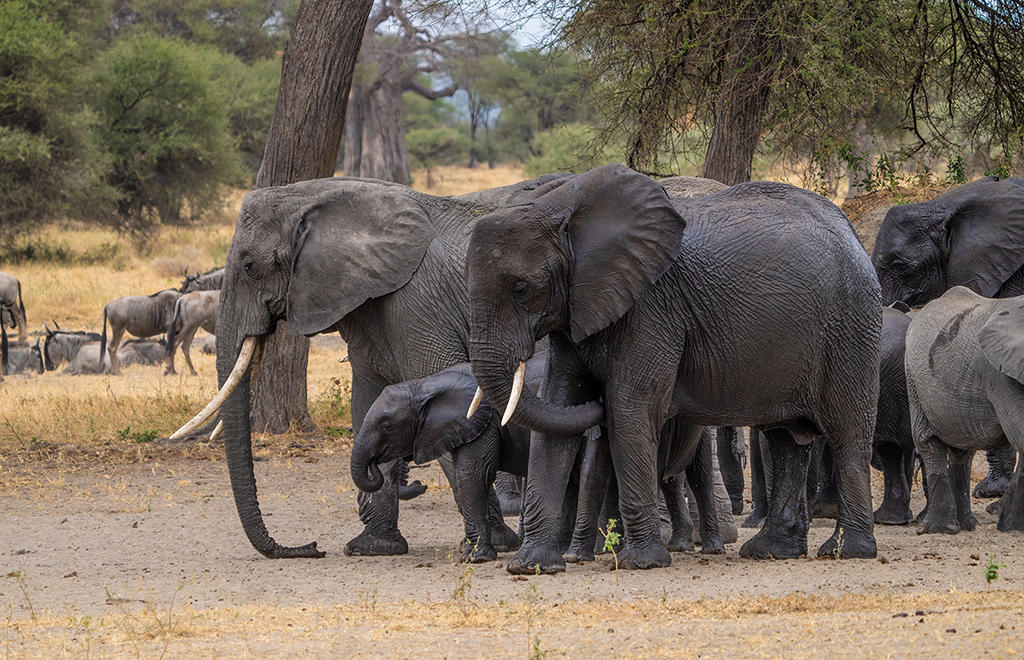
(107, 558)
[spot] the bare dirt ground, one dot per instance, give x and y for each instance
(107, 558)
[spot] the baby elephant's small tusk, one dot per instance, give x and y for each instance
(477, 398)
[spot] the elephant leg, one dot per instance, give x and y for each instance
(503, 537)
(595, 476)
(760, 479)
(854, 535)
(960, 482)
(784, 533)
(377, 511)
(700, 475)
(939, 515)
(895, 507)
(730, 463)
(1011, 516)
(475, 506)
(723, 504)
(509, 489)
(825, 502)
(674, 490)
(1001, 463)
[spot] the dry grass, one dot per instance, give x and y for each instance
(458, 180)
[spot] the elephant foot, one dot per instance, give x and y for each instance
(995, 508)
(844, 545)
(715, 547)
(376, 543)
(476, 552)
(936, 524)
(893, 514)
(407, 492)
(991, 486)
(680, 543)
(768, 545)
(755, 519)
(531, 560)
(577, 554)
(503, 538)
(967, 521)
(737, 505)
(634, 558)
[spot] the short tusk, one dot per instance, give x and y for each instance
(244, 358)
(517, 389)
(217, 431)
(477, 398)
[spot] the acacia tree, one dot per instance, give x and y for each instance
(717, 76)
(302, 144)
(392, 62)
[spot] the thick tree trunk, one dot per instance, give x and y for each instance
(375, 133)
(303, 144)
(740, 110)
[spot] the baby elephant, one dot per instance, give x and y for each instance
(422, 419)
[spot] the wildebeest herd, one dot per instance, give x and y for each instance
(601, 335)
(158, 324)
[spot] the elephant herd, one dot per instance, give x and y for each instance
(175, 314)
(614, 322)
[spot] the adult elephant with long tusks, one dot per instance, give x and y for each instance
(379, 263)
(764, 312)
(971, 236)
(139, 316)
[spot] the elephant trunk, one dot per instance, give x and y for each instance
(238, 449)
(495, 375)
(365, 473)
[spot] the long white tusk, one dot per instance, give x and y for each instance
(477, 398)
(517, 389)
(244, 357)
(217, 431)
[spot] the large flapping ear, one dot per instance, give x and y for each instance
(353, 240)
(985, 230)
(624, 233)
(1002, 338)
(443, 424)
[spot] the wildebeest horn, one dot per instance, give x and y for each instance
(245, 356)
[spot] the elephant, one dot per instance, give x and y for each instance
(965, 374)
(14, 305)
(660, 323)
(194, 310)
(973, 236)
(377, 262)
(140, 316)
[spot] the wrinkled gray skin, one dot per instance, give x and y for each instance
(60, 346)
(191, 311)
(377, 262)
(965, 385)
(14, 306)
(211, 280)
(661, 322)
(972, 236)
(21, 360)
(732, 458)
(139, 316)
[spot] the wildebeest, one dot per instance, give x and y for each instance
(139, 316)
(191, 311)
(61, 346)
(20, 360)
(209, 281)
(14, 306)
(146, 352)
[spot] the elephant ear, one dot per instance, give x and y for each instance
(986, 234)
(624, 234)
(353, 240)
(1002, 338)
(443, 424)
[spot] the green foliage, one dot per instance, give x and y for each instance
(568, 148)
(430, 147)
(165, 125)
(956, 173)
(611, 542)
(991, 571)
(332, 405)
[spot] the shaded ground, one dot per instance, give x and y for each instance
(148, 558)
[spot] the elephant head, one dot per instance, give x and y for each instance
(419, 420)
(307, 253)
(573, 259)
(971, 236)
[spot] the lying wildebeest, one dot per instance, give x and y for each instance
(14, 306)
(20, 360)
(191, 311)
(140, 316)
(209, 281)
(146, 352)
(61, 346)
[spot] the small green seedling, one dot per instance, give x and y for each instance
(992, 570)
(611, 541)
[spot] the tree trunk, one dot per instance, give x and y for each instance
(741, 104)
(302, 144)
(375, 133)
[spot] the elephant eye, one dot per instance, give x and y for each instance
(521, 290)
(385, 427)
(247, 265)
